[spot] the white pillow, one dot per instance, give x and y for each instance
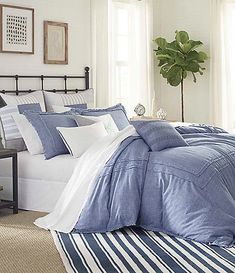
(79, 139)
(107, 120)
(34, 97)
(86, 96)
(29, 134)
(60, 109)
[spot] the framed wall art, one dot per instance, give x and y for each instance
(16, 29)
(55, 43)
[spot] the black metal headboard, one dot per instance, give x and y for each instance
(42, 78)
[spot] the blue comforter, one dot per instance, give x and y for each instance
(184, 191)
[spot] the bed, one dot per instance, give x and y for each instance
(147, 174)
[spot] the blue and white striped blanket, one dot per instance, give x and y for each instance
(137, 250)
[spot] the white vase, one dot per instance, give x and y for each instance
(161, 114)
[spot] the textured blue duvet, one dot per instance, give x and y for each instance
(183, 191)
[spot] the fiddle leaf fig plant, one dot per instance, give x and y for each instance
(179, 58)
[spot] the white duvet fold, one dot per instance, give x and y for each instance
(71, 202)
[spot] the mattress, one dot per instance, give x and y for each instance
(41, 181)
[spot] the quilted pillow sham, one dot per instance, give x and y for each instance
(117, 112)
(159, 135)
(45, 124)
(11, 136)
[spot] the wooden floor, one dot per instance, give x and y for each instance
(25, 248)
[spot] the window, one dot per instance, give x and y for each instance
(120, 53)
(129, 52)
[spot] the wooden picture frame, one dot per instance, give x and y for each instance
(55, 43)
(16, 29)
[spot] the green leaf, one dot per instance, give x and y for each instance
(195, 44)
(163, 57)
(192, 55)
(202, 56)
(164, 70)
(173, 46)
(180, 61)
(174, 75)
(162, 62)
(193, 67)
(181, 37)
(161, 42)
(186, 47)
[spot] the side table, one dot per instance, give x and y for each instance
(11, 153)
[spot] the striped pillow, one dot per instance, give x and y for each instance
(82, 97)
(10, 130)
(32, 98)
(11, 137)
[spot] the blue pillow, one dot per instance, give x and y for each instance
(159, 135)
(35, 107)
(45, 124)
(117, 112)
(80, 106)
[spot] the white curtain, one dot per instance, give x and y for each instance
(99, 54)
(123, 71)
(222, 86)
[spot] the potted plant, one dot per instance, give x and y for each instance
(179, 58)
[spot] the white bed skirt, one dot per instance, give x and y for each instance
(41, 181)
(33, 195)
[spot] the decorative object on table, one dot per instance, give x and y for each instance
(17, 29)
(179, 58)
(55, 43)
(139, 110)
(161, 114)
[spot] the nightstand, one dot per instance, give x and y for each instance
(10, 153)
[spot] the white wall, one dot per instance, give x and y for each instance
(194, 17)
(74, 12)
(169, 15)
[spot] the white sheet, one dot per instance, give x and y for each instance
(69, 206)
(41, 181)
